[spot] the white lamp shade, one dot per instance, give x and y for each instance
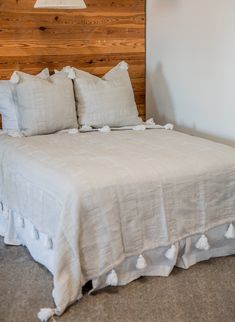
(60, 4)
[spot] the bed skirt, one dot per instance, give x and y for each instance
(219, 241)
(216, 242)
(22, 233)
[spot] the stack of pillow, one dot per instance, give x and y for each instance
(44, 104)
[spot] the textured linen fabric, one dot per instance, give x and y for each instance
(157, 264)
(106, 101)
(105, 197)
(8, 107)
(45, 105)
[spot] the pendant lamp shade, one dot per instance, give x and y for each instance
(60, 4)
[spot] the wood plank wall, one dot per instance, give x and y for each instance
(94, 39)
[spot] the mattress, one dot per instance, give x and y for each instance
(110, 207)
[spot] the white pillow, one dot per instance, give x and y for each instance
(105, 101)
(8, 108)
(44, 105)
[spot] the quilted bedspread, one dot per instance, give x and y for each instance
(104, 197)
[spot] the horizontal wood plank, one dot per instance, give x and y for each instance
(93, 6)
(94, 39)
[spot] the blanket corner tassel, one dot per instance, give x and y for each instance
(45, 314)
(171, 252)
(141, 262)
(112, 278)
(202, 243)
(230, 233)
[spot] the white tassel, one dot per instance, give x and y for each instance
(86, 128)
(66, 69)
(44, 74)
(15, 78)
(150, 122)
(202, 243)
(14, 134)
(20, 222)
(105, 129)
(141, 262)
(71, 74)
(72, 131)
(48, 243)
(230, 233)
(34, 233)
(45, 314)
(169, 126)
(112, 278)
(171, 252)
(140, 127)
(123, 65)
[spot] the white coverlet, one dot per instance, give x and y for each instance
(105, 198)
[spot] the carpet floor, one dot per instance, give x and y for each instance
(203, 293)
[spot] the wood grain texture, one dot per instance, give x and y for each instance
(94, 39)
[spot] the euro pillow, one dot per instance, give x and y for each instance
(105, 101)
(44, 106)
(8, 108)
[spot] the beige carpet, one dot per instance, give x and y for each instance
(205, 292)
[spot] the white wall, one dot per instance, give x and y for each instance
(191, 66)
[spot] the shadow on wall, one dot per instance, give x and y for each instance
(161, 106)
(159, 96)
(195, 132)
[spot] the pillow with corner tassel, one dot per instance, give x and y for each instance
(8, 107)
(44, 106)
(106, 101)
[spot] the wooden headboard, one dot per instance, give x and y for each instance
(94, 39)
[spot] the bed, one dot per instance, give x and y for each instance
(111, 207)
(105, 207)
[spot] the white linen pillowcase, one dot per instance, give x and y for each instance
(8, 108)
(45, 106)
(105, 101)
